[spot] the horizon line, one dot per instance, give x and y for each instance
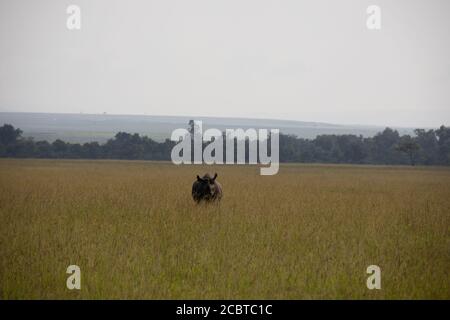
(227, 117)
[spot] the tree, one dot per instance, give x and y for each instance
(428, 152)
(383, 147)
(443, 134)
(9, 140)
(60, 148)
(410, 147)
(191, 127)
(428, 147)
(9, 135)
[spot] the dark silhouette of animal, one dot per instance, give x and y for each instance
(206, 189)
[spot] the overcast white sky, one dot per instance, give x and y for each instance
(311, 60)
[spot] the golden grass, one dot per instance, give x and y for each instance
(308, 232)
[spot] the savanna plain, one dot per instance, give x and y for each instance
(309, 232)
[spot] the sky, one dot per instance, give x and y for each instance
(312, 60)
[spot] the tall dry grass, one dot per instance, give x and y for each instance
(308, 232)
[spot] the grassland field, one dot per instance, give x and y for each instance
(308, 232)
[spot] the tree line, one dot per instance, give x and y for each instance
(425, 147)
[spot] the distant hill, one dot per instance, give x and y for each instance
(101, 127)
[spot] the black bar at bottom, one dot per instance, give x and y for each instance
(221, 309)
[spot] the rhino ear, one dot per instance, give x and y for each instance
(215, 176)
